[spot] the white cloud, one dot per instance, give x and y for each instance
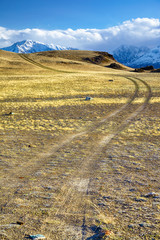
(138, 32)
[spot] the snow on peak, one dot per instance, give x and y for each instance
(137, 57)
(29, 46)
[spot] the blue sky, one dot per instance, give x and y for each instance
(63, 14)
(91, 24)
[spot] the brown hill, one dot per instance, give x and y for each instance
(12, 62)
(75, 57)
(60, 60)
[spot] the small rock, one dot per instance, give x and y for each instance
(140, 200)
(143, 224)
(19, 223)
(88, 98)
(101, 204)
(152, 195)
(10, 113)
(107, 197)
(132, 189)
(36, 237)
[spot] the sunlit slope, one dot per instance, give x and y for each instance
(12, 63)
(11, 60)
(76, 60)
(69, 60)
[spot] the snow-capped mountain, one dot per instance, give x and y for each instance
(29, 46)
(138, 57)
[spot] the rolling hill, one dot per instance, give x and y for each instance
(60, 60)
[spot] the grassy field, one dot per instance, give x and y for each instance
(77, 169)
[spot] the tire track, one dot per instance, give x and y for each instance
(68, 139)
(135, 113)
(26, 58)
(71, 193)
(94, 126)
(87, 167)
(106, 140)
(30, 169)
(96, 150)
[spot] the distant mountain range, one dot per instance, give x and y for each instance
(137, 57)
(131, 56)
(29, 46)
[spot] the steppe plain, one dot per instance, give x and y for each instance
(77, 169)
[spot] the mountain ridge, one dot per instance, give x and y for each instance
(131, 56)
(138, 57)
(30, 46)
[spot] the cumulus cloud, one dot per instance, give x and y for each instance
(138, 32)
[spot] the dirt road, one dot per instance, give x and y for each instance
(58, 191)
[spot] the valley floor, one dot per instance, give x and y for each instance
(77, 169)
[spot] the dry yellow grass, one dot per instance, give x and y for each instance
(51, 153)
(33, 93)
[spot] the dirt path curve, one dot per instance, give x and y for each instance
(71, 210)
(74, 200)
(26, 58)
(67, 139)
(30, 168)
